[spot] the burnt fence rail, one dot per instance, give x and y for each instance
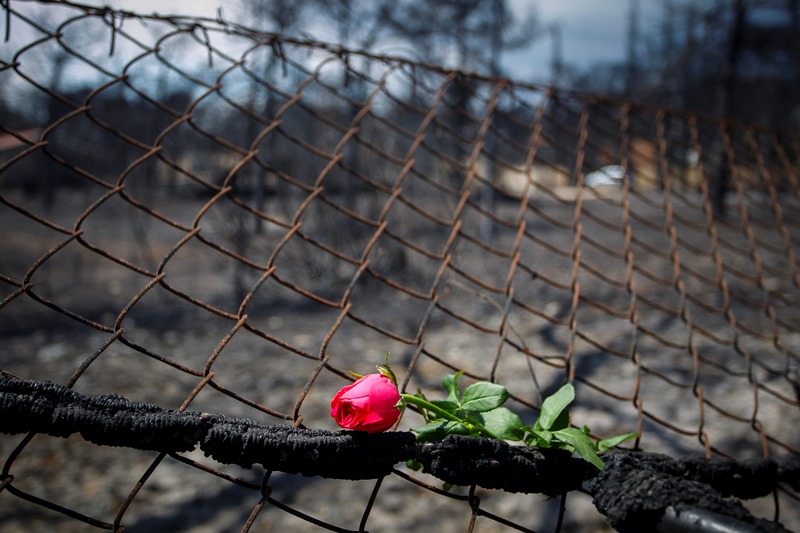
(634, 491)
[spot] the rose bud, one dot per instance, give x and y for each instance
(369, 404)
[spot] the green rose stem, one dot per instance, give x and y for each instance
(428, 406)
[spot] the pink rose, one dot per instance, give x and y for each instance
(368, 405)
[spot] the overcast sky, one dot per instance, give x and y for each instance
(592, 30)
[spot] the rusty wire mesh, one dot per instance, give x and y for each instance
(202, 216)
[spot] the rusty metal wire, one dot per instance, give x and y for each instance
(196, 214)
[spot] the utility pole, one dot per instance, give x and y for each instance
(730, 79)
(557, 60)
(496, 43)
(633, 43)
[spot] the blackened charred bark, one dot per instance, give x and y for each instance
(647, 491)
(636, 491)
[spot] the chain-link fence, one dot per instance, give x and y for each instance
(211, 219)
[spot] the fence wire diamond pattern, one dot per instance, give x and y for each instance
(205, 217)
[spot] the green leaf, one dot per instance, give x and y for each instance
(439, 429)
(553, 406)
(561, 421)
(613, 442)
(483, 396)
(539, 437)
(409, 398)
(447, 405)
(582, 444)
(450, 384)
(385, 371)
(504, 423)
(414, 465)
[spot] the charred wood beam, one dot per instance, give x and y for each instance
(636, 491)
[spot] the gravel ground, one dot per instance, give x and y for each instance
(41, 343)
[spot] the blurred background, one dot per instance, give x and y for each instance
(737, 59)
(722, 57)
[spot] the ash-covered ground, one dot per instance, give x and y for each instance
(684, 362)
